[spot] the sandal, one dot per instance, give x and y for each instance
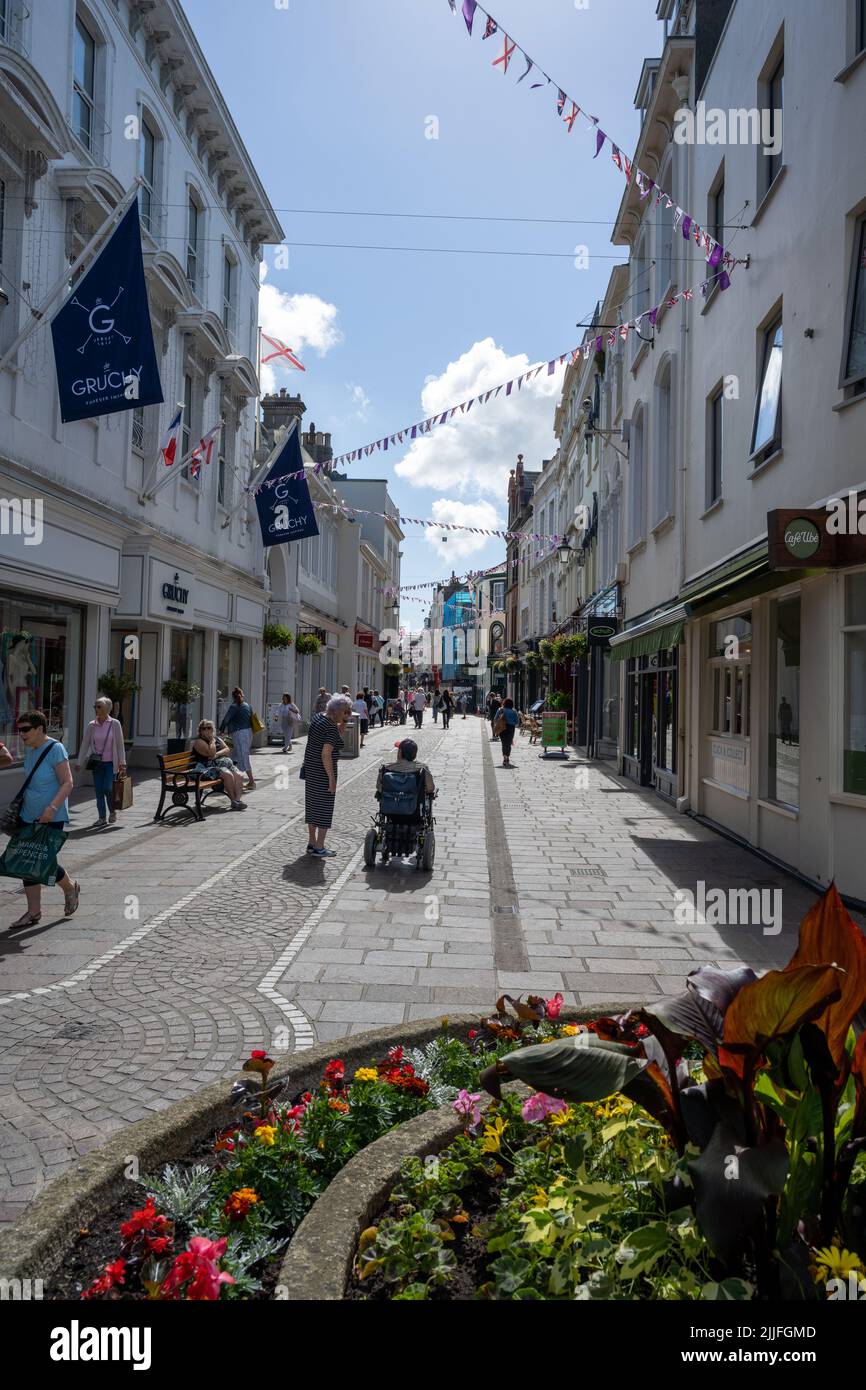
(72, 900)
(29, 919)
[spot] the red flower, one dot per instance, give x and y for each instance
(159, 1246)
(307, 1097)
(412, 1085)
(198, 1264)
(145, 1220)
(395, 1054)
(553, 1006)
(259, 1055)
(335, 1070)
(473, 1032)
(112, 1275)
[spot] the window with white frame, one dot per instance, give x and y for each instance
(730, 666)
(147, 169)
(665, 444)
(84, 118)
(853, 373)
(716, 214)
(767, 427)
(666, 254)
(637, 491)
(772, 96)
(229, 295)
(640, 286)
(715, 438)
(138, 429)
(188, 436)
(854, 719)
(194, 257)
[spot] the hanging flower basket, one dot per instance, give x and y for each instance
(307, 644)
(276, 637)
(545, 649)
(534, 661)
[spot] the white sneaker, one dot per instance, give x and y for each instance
(101, 822)
(112, 818)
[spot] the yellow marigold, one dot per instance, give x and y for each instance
(570, 1030)
(265, 1134)
(492, 1141)
(240, 1202)
(561, 1117)
(839, 1263)
(366, 1074)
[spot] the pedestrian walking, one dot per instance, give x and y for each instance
(493, 706)
(238, 722)
(321, 700)
(437, 704)
(324, 742)
(214, 760)
(419, 704)
(48, 782)
(447, 706)
(102, 753)
(378, 708)
(359, 707)
(290, 715)
(505, 725)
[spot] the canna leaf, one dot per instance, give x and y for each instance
(828, 935)
(580, 1068)
(773, 1007)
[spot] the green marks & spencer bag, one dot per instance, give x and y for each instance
(32, 853)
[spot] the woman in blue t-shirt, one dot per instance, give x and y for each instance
(45, 801)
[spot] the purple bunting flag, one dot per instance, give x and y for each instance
(469, 8)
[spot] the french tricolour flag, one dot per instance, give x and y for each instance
(168, 447)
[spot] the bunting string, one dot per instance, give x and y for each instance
(716, 254)
(453, 413)
(343, 509)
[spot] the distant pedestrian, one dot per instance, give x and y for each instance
(238, 723)
(359, 707)
(437, 704)
(290, 715)
(447, 706)
(378, 708)
(505, 725)
(321, 700)
(786, 719)
(419, 704)
(46, 791)
(493, 704)
(324, 741)
(103, 754)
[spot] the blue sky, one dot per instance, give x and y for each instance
(332, 98)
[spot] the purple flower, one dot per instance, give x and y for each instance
(468, 1104)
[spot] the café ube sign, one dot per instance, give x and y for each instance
(818, 537)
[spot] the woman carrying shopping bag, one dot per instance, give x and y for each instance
(102, 753)
(43, 802)
(290, 715)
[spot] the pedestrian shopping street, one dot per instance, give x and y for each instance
(195, 943)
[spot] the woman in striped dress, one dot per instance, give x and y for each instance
(324, 742)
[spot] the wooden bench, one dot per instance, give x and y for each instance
(534, 729)
(188, 788)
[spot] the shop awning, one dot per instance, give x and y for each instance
(657, 634)
(733, 573)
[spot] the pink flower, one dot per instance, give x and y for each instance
(539, 1106)
(198, 1264)
(395, 1055)
(553, 1006)
(468, 1105)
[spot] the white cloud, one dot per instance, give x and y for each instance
(474, 453)
(359, 398)
(301, 321)
(452, 546)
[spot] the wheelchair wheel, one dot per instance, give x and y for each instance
(428, 850)
(370, 841)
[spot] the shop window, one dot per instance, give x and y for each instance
(228, 672)
(783, 742)
(186, 664)
(632, 710)
(730, 665)
(854, 745)
(853, 375)
(40, 667)
(767, 428)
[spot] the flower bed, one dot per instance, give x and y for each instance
(216, 1226)
(711, 1145)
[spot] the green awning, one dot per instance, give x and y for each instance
(658, 640)
(750, 565)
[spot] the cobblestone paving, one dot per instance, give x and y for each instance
(556, 875)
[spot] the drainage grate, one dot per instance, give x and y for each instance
(74, 1031)
(588, 871)
(511, 910)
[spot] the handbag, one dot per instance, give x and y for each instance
(11, 818)
(96, 760)
(32, 853)
(257, 724)
(121, 792)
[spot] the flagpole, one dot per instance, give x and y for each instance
(38, 314)
(259, 473)
(170, 473)
(153, 472)
(259, 384)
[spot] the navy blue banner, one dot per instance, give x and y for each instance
(285, 510)
(103, 342)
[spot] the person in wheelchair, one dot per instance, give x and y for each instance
(404, 825)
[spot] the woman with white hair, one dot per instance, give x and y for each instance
(102, 753)
(324, 742)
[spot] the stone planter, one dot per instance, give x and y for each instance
(37, 1244)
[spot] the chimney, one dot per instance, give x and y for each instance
(281, 409)
(317, 445)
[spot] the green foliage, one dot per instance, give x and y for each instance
(558, 700)
(115, 686)
(276, 637)
(182, 1194)
(307, 644)
(180, 692)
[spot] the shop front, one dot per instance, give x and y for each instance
(41, 653)
(597, 677)
(650, 732)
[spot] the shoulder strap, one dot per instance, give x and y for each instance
(34, 769)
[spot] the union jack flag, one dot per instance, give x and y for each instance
(203, 451)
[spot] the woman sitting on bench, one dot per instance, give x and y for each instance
(214, 762)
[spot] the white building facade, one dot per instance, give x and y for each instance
(91, 95)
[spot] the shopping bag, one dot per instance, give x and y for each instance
(32, 853)
(121, 792)
(257, 723)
